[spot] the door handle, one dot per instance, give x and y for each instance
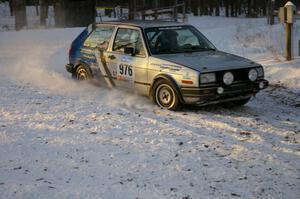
(112, 57)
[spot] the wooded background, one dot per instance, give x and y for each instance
(69, 13)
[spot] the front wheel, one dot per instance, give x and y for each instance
(165, 96)
(83, 73)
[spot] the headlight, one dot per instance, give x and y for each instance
(253, 75)
(260, 72)
(207, 78)
(228, 78)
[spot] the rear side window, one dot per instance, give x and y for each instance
(129, 38)
(99, 37)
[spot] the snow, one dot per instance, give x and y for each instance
(62, 139)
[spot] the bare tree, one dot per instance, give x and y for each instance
(233, 8)
(36, 5)
(132, 7)
(249, 13)
(211, 7)
(11, 8)
(43, 12)
(19, 10)
(226, 2)
(217, 5)
(195, 6)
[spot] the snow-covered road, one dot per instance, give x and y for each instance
(59, 139)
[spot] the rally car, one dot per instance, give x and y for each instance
(172, 63)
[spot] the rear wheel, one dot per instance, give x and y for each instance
(83, 73)
(164, 95)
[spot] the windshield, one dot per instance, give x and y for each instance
(176, 39)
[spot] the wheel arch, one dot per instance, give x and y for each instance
(170, 79)
(78, 63)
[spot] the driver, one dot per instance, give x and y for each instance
(167, 40)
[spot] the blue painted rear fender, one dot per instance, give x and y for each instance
(76, 46)
(93, 67)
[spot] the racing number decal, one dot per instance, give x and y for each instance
(125, 72)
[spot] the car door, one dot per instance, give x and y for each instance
(129, 69)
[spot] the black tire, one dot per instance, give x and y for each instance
(164, 95)
(241, 102)
(82, 73)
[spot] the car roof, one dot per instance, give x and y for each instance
(143, 23)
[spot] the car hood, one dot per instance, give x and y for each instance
(208, 61)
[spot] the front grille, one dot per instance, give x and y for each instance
(240, 75)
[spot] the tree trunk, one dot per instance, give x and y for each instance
(132, 4)
(217, 5)
(226, 8)
(175, 11)
(236, 7)
(255, 8)
(11, 8)
(264, 7)
(249, 8)
(36, 5)
(204, 7)
(154, 4)
(211, 7)
(59, 14)
(43, 12)
(19, 9)
(232, 8)
(239, 7)
(143, 4)
(195, 7)
(188, 6)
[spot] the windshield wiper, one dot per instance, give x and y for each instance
(166, 51)
(210, 49)
(197, 49)
(184, 50)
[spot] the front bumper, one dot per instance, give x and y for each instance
(208, 94)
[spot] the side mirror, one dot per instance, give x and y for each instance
(129, 51)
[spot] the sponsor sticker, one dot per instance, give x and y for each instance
(186, 76)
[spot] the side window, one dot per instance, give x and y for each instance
(129, 38)
(99, 37)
